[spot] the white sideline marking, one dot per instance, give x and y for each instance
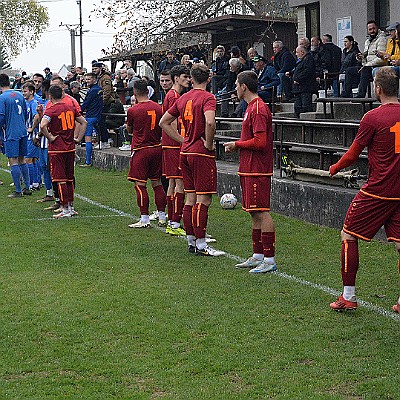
(369, 306)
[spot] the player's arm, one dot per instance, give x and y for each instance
(81, 128)
(348, 158)
(210, 130)
(44, 131)
(169, 125)
(257, 143)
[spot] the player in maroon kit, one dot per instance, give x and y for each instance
(58, 125)
(377, 204)
(146, 153)
(197, 159)
(255, 171)
(180, 75)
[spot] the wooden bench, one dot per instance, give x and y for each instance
(331, 100)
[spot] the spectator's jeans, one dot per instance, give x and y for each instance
(265, 95)
(351, 81)
(216, 83)
(302, 103)
(102, 124)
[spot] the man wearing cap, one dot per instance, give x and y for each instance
(105, 82)
(392, 52)
(267, 77)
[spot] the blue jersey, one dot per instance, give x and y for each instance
(93, 103)
(39, 98)
(13, 114)
(31, 107)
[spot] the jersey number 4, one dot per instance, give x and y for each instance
(396, 130)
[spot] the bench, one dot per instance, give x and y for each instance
(331, 100)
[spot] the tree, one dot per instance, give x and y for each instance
(4, 64)
(21, 24)
(144, 22)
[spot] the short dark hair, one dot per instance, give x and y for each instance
(200, 73)
(91, 74)
(55, 92)
(4, 80)
(248, 78)
(38, 75)
(387, 79)
(29, 85)
(329, 36)
(178, 70)
(57, 78)
(140, 87)
(372, 21)
(165, 72)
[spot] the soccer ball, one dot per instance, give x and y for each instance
(228, 200)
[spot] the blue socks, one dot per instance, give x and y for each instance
(25, 174)
(16, 177)
(89, 150)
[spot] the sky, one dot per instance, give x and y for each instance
(54, 48)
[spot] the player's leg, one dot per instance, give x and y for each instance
(160, 200)
(142, 198)
(178, 204)
(88, 141)
(263, 223)
(44, 164)
(396, 307)
(170, 199)
(188, 222)
(60, 168)
(16, 175)
(22, 153)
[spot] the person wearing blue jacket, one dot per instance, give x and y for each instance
(284, 61)
(93, 106)
(268, 79)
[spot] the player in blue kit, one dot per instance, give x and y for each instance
(13, 114)
(32, 124)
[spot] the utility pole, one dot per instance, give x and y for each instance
(79, 2)
(72, 30)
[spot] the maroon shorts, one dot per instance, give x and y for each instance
(171, 168)
(367, 214)
(146, 164)
(199, 174)
(62, 166)
(256, 193)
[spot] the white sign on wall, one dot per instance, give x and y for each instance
(343, 29)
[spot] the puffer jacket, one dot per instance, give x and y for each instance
(371, 47)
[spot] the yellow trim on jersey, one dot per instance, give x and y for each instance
(392, 239)
(197, 154)
(171, 147)
(255, 209)
(255, 173)
(60, 151)
(379, 197)
(130, 178)
(356, 235)
(146, 147)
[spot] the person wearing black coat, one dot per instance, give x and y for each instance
(349, 59)
(304, 82)
(284, 61)
(331, 58)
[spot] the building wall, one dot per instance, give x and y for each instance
(359, 10)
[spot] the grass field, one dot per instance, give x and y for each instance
(90, 309)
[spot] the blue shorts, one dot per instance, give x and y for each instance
(90, 125)
(44, 158)
(16, 148)
(33, 151)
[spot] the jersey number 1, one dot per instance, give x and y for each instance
(67, 120)
(396, 130)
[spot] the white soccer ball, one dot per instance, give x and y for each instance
(228, 200)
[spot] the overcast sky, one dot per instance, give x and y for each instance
(54, 48)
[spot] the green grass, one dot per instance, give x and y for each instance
(90, 309)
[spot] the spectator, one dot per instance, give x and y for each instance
(185, 60)
(349, 59)
(220, 70)
(75, 88)
(392, 54)
(235, 53)
(316, 49)
(18, 82)
(396, 63)
(331, 58)
(376, 42)
(283, 62)
(305, 42)
(304, 83)
(121, 84)
(130, 80)
(168, 63)
(47, 73)
(104, 81)
(251, 53)
(267, 77)
(229, 92)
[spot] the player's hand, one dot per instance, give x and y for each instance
(52, 138)
(208, 147)
(76, 140)
(36, 141)
(332, 170)
(230, 147)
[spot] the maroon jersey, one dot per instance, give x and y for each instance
(61, 117)
(170, 99)
(380, 132)
(191, 108)
(144, 118)
(257, 119)
(68, 100)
